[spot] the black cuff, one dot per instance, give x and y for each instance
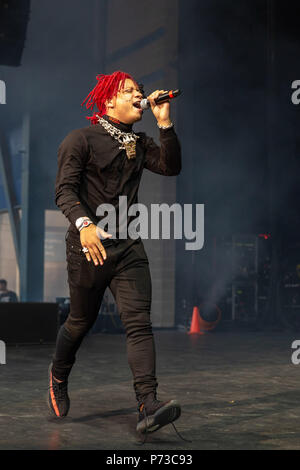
(76, 212)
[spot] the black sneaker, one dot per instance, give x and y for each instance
(154, 414)
(58, 398)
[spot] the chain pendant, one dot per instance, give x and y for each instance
(130, 149)
(128, 140)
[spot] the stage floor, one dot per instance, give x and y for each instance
(238, 391)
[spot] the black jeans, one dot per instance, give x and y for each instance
(126, 273)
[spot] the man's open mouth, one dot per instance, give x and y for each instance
(137, 104)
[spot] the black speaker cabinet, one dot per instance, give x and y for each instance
(28, 322)
(14, 17)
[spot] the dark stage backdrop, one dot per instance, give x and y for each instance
(237, 61)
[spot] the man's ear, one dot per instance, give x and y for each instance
(109, 104)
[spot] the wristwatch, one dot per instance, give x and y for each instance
(83, 222)
(165, 127)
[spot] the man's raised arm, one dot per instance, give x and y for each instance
(166, 158)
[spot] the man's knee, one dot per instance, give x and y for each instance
(77, 328)
(137, 324)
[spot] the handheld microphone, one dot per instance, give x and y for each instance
(161, 98)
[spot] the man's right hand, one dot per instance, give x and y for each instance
(89, 239)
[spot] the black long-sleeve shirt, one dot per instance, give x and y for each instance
(92, 170)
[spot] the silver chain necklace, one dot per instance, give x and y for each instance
(127, 139)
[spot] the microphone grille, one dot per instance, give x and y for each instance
(144, 103)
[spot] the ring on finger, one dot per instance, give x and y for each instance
(85, 250)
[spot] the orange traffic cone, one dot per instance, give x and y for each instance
(195, 324)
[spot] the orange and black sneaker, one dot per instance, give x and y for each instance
(58, 398)
(154, 414)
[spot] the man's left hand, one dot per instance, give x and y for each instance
(160, 111)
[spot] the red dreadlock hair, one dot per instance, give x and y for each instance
(106, 88)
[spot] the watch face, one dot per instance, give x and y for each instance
(79, 222)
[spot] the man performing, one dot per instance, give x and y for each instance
(96, 165)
